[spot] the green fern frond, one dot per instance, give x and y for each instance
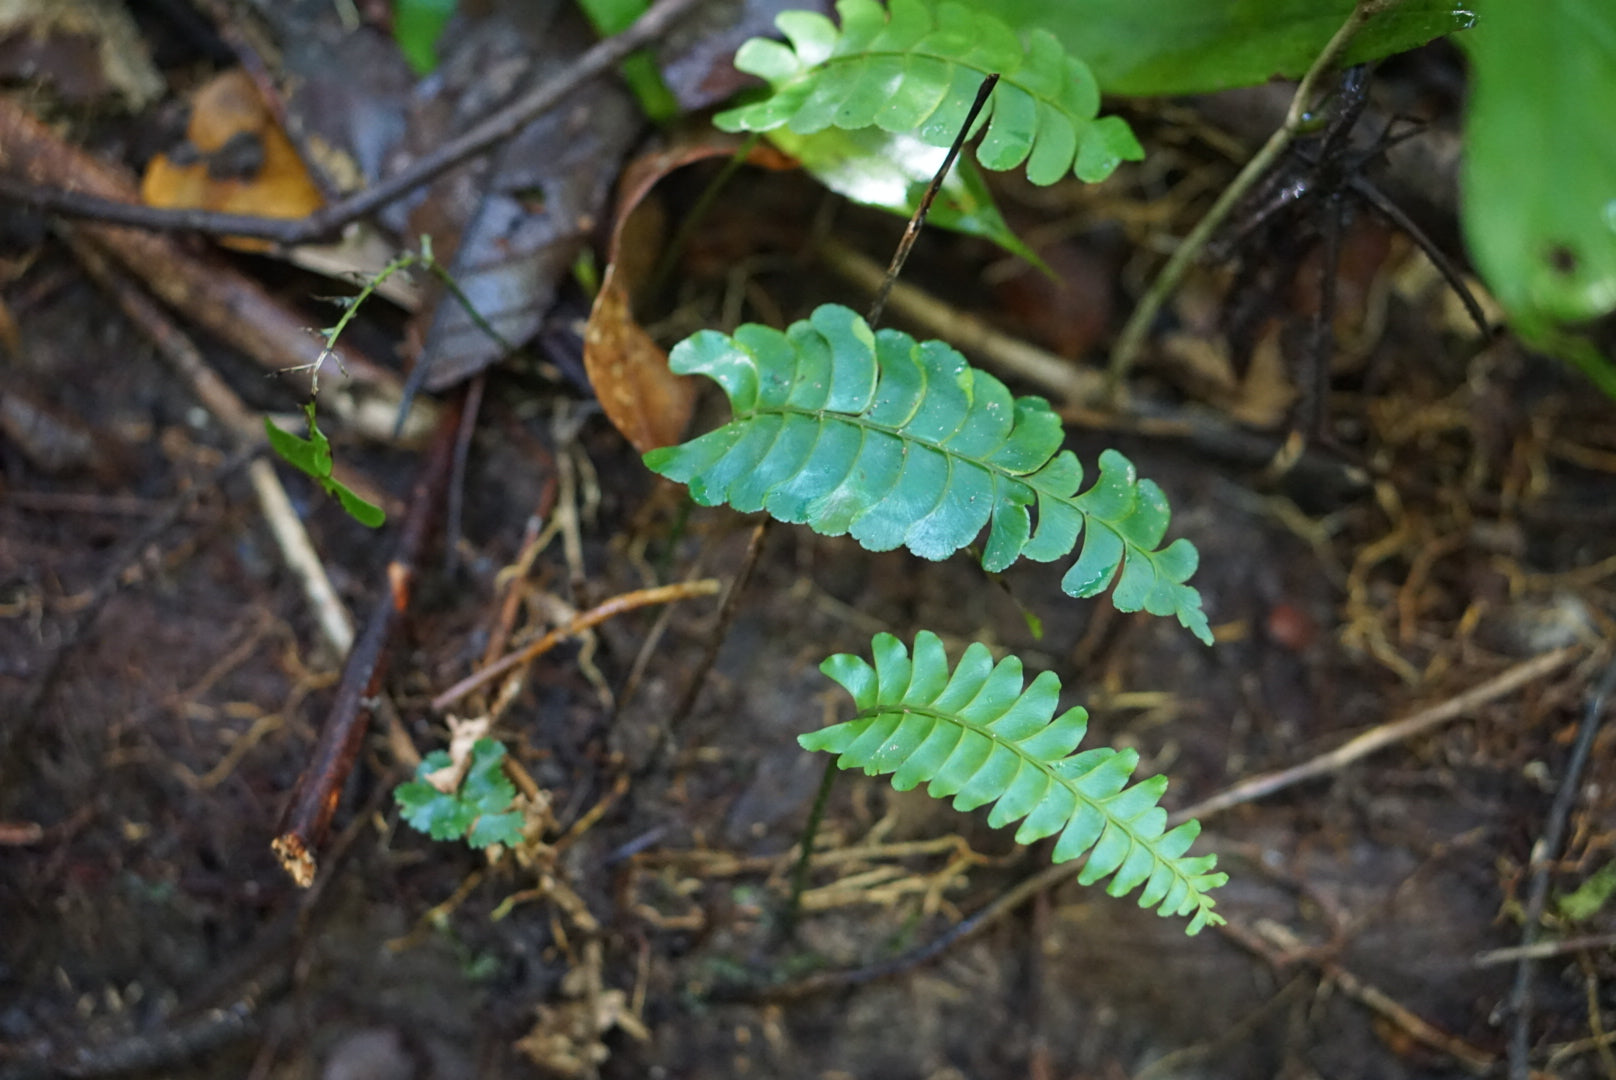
(899, 442)
(977, 735)
(914, 68)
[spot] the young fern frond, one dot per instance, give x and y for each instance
(913, 67)
(977, 735)
(899, 442)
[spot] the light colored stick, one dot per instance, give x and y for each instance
(1382, 736)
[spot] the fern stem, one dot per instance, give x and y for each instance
(727, 607)
(698, 213)
(799, 873)
(1139, 323)
(911, 231)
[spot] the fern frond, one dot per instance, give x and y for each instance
(977, 735)
(899, 442)
(914, 68)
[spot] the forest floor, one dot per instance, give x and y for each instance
(1450, 551)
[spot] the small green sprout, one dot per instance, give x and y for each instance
(478, 811)
(313, 456)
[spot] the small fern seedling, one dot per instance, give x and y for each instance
(976, 734)
(477, 809)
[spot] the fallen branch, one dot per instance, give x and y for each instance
(314, 799)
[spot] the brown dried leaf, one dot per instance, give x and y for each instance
(643, 399)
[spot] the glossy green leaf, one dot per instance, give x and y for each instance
(479, 812)
(1197, 46)
(1539, 177)
(890, 172)
(979, 735)
(360, 509)
(914, 68)
(902, 443)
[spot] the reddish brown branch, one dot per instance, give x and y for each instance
(314, 800)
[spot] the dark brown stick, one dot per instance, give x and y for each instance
(314, 800)
(65, 196)
(1544, 853)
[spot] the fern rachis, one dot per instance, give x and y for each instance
(903, 443)
(913, 67)
(977, 735)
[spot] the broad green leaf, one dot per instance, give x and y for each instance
(900, 443)
(1540, 168)
(297, 452)
(978, 735)
(417, 25)
(1196, 46)
(890, 172)
(312, 456)
(361, 510)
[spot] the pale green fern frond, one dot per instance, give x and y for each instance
(977, 735)
(903, 443)
(915, 66)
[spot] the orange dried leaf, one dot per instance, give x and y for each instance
(242, 162)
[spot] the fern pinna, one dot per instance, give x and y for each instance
(977, 735)
(914, 66)
(899, 442)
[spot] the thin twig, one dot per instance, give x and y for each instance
(1474, 1059)
(1543, 950)
(1381, 736)
(1544, 854)
(326, 222)
(617, 605)
(727, 608)
(1144, 315)
(911, 231)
